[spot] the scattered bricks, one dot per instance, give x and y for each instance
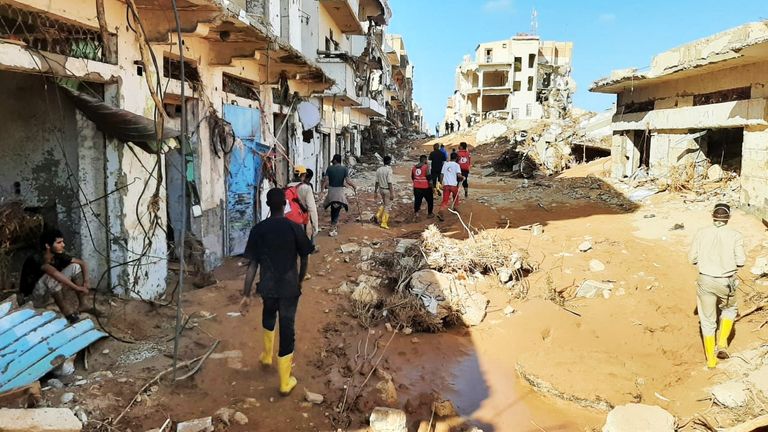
(388, 420)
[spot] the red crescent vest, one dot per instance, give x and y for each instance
(419, 174)
(464, 160)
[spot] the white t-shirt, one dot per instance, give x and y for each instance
(450, 171)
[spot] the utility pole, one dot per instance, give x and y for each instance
(534, 22)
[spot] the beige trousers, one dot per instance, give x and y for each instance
(713, 293)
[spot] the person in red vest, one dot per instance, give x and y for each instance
(422, 190)
(465, 163)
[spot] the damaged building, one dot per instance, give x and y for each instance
(519, 78)
(93, 119)
(699, 105)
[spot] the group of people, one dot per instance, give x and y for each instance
(450, 127)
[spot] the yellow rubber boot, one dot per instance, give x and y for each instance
(269, 344)
(287, 382)
(385, 221)
(709, 350)
(380, 214)
(725, 332)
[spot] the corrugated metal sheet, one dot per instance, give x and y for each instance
(32, 343)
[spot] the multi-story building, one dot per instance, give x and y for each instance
(94, 93)
(400, 91)
(517, 78)
(703, 103)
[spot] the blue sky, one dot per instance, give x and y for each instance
(606, 35)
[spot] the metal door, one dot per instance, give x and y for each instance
(244, 176)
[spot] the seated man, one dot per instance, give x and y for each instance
(48, 272)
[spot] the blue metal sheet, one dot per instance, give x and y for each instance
(33, 343)
(23, 329)
(244, 175)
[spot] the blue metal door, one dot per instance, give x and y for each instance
(244, 175)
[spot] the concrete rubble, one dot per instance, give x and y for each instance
(204, 424)
(39, 420)
(639, 418)
(592, 289)
(731, 394)
(443, 295)
(388, 420)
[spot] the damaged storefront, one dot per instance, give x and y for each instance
(698, 116)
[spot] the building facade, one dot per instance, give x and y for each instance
(94, 115)
(701, 104)
(517, 78)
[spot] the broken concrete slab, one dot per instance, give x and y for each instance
(366, 253)
(730, 394)
(39, 420)
(388, 420)
(591, 289)
(314, 398)
(349, 248)
(639, 418)
(442, 295)
(363, 293)
(204, 424)
(240, 418)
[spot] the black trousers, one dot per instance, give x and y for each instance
(335, 212)
(465, 174)
(423, 194)
(284, 309)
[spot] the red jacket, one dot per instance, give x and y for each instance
(465, 160)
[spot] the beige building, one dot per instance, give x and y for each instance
(699, 104)
(512, 78)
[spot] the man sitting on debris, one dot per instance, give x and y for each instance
(450, 177)
(437, 158)
(302, 181)
(465, 163)
(336, 177)
(385, 187)
(274, 245)
(421, 188)
(718, 251)
(48, 272)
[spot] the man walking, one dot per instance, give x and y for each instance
(336, 177)
(385, 188)
(718, 251)
(421, 187)
(305, 194)
(274, 245)
(437, 159)
(450, 177)
(465, 163)
(46, 274)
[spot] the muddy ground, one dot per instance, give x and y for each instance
(585, 355)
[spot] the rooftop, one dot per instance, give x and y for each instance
(734, 47)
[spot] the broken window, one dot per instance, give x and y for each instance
(517, 86)
(503, 45)
(240, 87)
(636, 107)
(531, 60)
(172, 69)
(547, 81)
(495, 79)
(723, 147)
(41, 32)
(518, 64)
(530, 83)
(489, 55)
(495, 102)
(528, 110)
(729, 95)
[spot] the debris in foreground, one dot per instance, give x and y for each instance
(388, 420)
(639, 418)
(39, 420)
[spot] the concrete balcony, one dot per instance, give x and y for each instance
(344, 14)
(722, 115)
(371, 107)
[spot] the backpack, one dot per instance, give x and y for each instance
(295, 211)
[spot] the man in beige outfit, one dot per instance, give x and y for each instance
(718, 251)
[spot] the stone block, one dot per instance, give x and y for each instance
(388, 420)
(39, 420)
(639, 418)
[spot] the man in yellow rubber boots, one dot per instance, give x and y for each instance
(718, 251)
(385, 189)
(274, 246)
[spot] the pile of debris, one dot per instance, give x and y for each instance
(18, 229)
(437, 282)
